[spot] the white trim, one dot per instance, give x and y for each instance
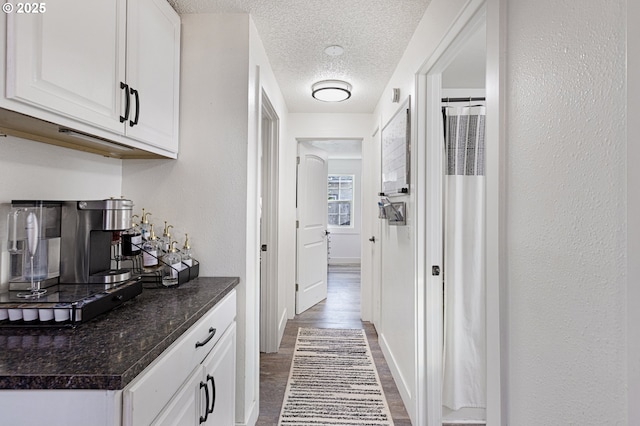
(282, 324)
(352, 212)
(496, 246)
(355, 261)
(399, 379)
(269, 144)
(429, 226)
(252, 418)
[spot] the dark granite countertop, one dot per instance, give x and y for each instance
(110, 350)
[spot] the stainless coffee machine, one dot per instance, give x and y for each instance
(61, 260)
(86, 238)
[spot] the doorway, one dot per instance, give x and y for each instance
(268, 210)
(448, 74)
(464, 106)
(328, 212)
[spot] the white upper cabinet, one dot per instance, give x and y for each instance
(153, 69)
(110, 64)
(70, 59)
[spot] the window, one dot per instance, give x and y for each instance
(340, 192)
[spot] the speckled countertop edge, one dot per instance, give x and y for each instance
(107, 352)
(147, 359)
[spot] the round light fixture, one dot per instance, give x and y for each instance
(331, 90)
(334, 50)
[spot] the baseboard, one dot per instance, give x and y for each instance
(252, 417)
(344, 261)
(281, 326)
(463, 416)
(401, 383)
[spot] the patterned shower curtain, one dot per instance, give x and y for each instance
(464, 259)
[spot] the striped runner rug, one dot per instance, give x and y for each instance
(333, 381)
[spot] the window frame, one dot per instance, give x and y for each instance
(350, 201)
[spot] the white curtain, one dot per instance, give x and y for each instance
(464, 307)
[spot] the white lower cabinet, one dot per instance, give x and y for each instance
(207, 397)
(219, 373)
(193, 382)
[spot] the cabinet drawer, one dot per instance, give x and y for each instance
(148, 393)
(202, 336)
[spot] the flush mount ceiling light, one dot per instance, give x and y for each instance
(334, 50)
(331, 90)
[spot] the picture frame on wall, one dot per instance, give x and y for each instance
(396, 152)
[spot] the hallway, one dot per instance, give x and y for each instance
(341, 309)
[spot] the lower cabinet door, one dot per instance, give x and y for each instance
(220, 377)
(208, 395)
(184, 407)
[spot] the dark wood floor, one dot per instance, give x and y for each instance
(341, 309)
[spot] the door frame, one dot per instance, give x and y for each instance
(269, 144)
(429, 215)
(368, 287)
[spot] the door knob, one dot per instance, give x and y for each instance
(372, 239)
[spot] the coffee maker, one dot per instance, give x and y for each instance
(72, 240)
(86, 238)
(61, 260)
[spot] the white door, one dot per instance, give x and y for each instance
(153, 68)
(69, 59)
(220, 379)
(312, 227)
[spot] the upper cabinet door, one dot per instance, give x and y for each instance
(153, 72)
(70, 59)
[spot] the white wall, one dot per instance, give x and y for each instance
(566, 205)
(33, 170)
(401, 303)
(211, 191)
(262, 79)
(633, 211)
(346, 241)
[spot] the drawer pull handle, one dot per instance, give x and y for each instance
(134, 92)
(213, 392)
(212, 332)
(125, 117)
(206, 407)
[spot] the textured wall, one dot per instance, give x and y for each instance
(633, 212)
(566, 211)
(205, 191)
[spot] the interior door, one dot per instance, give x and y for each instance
(312, 227)
(153, 69)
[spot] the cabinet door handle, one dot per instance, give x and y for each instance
(125, 86)
(134, 92)
(206, 395)
(213, 391)
(212, 332)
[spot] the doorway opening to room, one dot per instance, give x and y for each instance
(460, 169)
(329, 214)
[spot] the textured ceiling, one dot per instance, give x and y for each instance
(374, 34)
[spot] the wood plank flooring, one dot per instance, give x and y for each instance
(341, 309)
